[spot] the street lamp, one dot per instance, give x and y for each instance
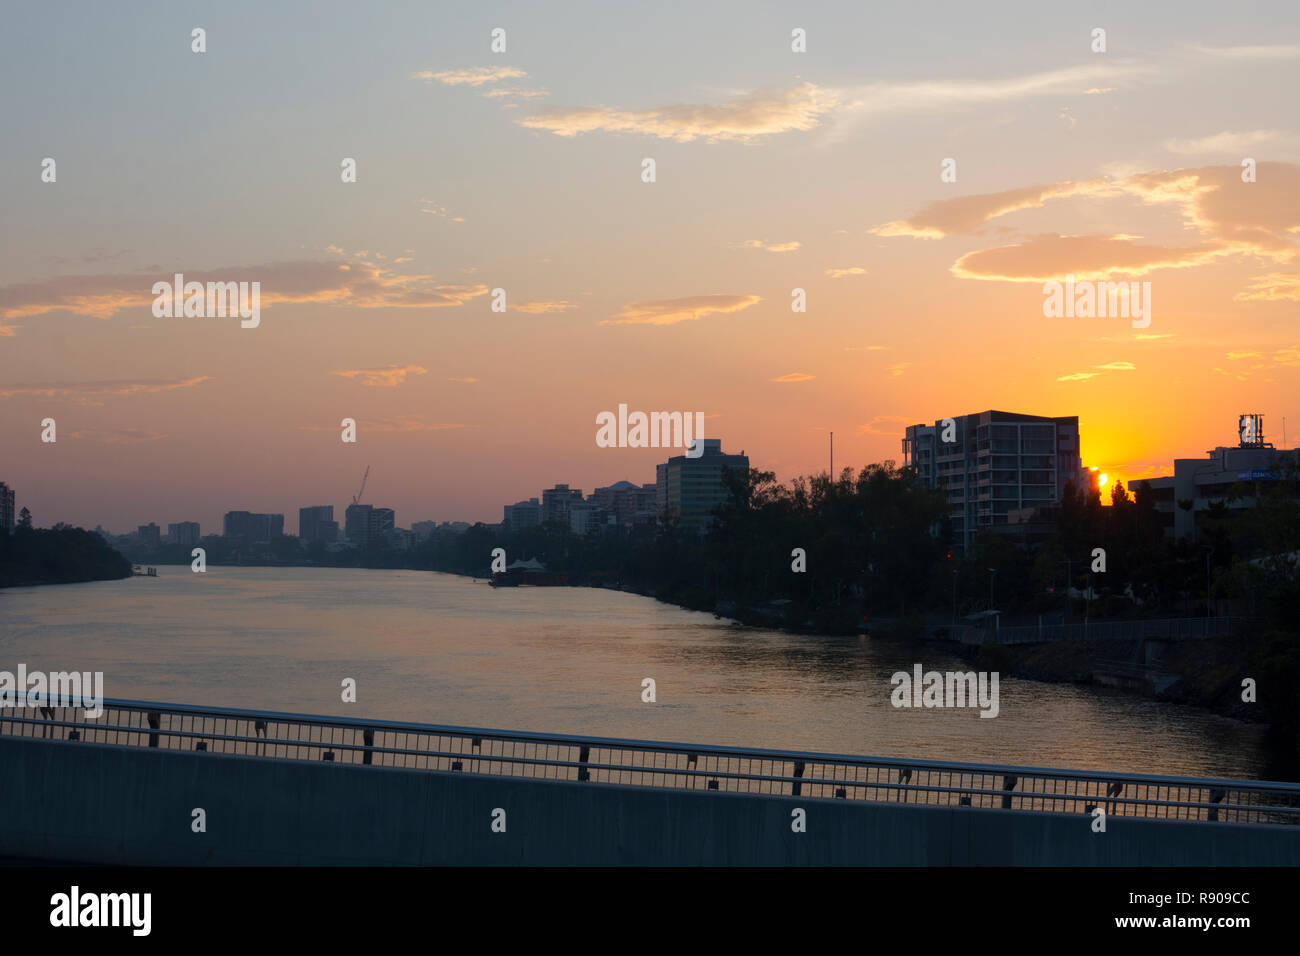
(992, 574)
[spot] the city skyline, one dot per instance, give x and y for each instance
(523, 170)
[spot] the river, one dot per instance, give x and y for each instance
(438, 648)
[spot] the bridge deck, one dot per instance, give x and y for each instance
(639, 763)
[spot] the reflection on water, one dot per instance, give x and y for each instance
(442, 649)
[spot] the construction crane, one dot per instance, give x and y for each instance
(356, 499)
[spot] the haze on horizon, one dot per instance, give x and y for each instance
(522, 170)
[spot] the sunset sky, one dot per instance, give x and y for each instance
(522, 170)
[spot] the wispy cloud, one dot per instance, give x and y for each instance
(770, 246)
(672, 311)
(402, 423)
(1108, 367)
(885, 425)
(1239, 144)
(429, 207)
(850, 271)
(910, 98)
(794, 377)
(358, 284)
(90, 392)
(1280, 51)
(543, 306)
(472, 76)
(1274, 287)
(389, 376)
(761, 113)
(118, 436)
(504, 92)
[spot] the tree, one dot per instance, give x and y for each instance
(25, 519)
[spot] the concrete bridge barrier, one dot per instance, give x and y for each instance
(293, 789)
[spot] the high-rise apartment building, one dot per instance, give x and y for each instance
(992, 463)
(365, 525)
(252, 527)
(317, 523)
(556, 502)
(184, 533)
(7, 512)
(521, 515)
(149, 535)
(692, 488)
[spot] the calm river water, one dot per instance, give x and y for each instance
(443, 649)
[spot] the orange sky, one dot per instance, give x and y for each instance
(523, 171)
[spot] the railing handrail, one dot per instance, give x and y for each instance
(325, 720)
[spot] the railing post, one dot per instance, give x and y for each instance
(1008, 783)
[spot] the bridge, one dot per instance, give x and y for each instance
(278, 788)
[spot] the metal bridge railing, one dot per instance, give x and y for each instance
(635, 763)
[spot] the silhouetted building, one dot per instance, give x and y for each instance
(1228, 478)
(692, 488)
(556, 502)
(317, 524)
(365, 525)
(994, 464)
(149, 535)
(185, 533)
(251, 527)
(521, 514)
(587, 516)
(7, 513)
(629, 503)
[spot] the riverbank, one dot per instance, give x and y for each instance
(31, 557)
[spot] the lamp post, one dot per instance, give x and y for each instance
(993, 572)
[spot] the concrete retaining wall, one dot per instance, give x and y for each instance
(89, 803)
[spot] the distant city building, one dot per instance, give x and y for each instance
(556, 502)
(1197, 484)
(252, 527)
(398, 539)
(423, 529)
(149, 535)
(996, 463)
(521, 515)
(317, 523)
(7, 513)
(587, 516)
(629, 503)
(692, 488)
(185, 533)
(365, 525)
